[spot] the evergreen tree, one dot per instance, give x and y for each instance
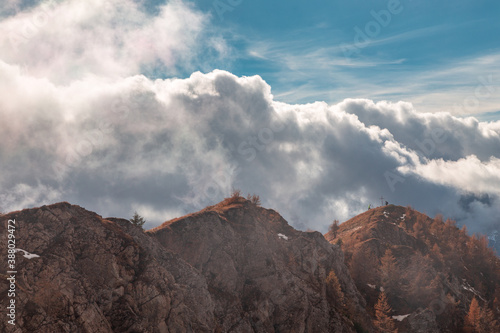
(137, 220)
(334, 290)
(383, 322)
(473, 317)
(334, 227)
(389, 271)
(487, 322)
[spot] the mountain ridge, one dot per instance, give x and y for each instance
(239, 267)
(254, 273)
(427, 267)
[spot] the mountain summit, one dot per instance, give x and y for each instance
(263, 274)
(232, 267)
(429, 269)
(238, 267)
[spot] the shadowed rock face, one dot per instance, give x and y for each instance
(263, 275)
(97, 275)
(231, 267)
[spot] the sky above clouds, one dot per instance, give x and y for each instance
(164, 107)
(433, 54)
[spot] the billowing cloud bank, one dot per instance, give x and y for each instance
(95, 134)
(166, 147)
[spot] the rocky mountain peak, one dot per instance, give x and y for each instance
(422, 264)
(233, 266)
(239, 267)
(257, 264)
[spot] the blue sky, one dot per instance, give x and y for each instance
(429, 53)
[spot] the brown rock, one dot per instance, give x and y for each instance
(264, 276)
(234, 267)
(92, 276)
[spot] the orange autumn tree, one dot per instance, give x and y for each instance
(389, 272)
(480, 320)
(334, 290)
(383, 321)
(472, 319)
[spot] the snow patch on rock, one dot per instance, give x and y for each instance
(468, 287)
(400, 317)
(282, 236)
(26, 254)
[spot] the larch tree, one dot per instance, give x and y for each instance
(496, 304)
(334, 290)
(389, 271)
(487, 321)
(419, 229)
(363, 267)
(383, 321)
(472, 320)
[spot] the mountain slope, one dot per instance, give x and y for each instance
(428, 268)
(264, 275)
(93, 275)
(233, 267)
(237, 267)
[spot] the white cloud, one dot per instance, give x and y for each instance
(73, 39)
(82, 126)
(468, 174)
(177, 145)
(22, 195)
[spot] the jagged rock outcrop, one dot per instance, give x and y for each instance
(423, 322)
(264, 275)
(233, 267)
(97, 275)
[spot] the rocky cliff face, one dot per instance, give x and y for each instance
(97, 275)
(237, 267)
(234, 267)
(263, 275)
